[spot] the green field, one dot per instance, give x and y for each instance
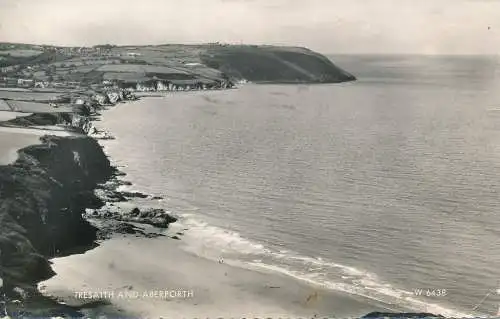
(27, 96)
(259, 64)
(125, 76)
(137, 68)
(21, 53)
(32, 107)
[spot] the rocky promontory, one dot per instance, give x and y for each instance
(42, 198)
(274, 64)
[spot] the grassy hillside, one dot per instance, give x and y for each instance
(274, 64)
(207, 62)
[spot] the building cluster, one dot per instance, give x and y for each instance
(82, 51)
(169, 85)
(16, 82)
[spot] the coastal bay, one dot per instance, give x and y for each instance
(59, 164)
(96, 244)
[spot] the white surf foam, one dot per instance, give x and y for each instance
(216, 238)
(214, 242)
(386, 295)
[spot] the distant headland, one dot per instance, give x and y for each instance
(162, 67)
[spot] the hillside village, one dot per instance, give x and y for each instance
(45, 79)
(80, 80)
(144, 69)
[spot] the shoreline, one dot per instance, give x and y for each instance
(50, 219)
(297, 301)
(420, 305)
(121, 270)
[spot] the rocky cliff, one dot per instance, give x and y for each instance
(42, 198)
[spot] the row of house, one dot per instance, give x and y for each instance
(170, 85)
(17, 82)
(31, 83)
(81, 51)
(65, 84)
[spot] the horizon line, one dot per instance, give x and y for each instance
(325, 52)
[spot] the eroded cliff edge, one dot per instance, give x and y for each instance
(42, 198)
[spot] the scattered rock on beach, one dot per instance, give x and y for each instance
(115, 227)
(114, 183)
(110, 195)
(125, 228)
(134, 194)
(175, 237)
(156, 217)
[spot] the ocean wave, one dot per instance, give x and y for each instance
(379, 292)
(219, 239)
(215, 242)
(209, 241)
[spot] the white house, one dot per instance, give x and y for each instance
(25, 82)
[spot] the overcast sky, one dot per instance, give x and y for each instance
(328, 26)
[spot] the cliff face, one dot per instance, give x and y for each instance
(274, 64)
(42, 198)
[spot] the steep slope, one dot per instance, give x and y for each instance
(274, 64)
(42, 198)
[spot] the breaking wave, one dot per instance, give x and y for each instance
(206, 240)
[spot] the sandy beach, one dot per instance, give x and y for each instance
(11, 141)
(153, 278)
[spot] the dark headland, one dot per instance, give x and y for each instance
(53, 197)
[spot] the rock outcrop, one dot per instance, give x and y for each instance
(42, 198)
(156, 217)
